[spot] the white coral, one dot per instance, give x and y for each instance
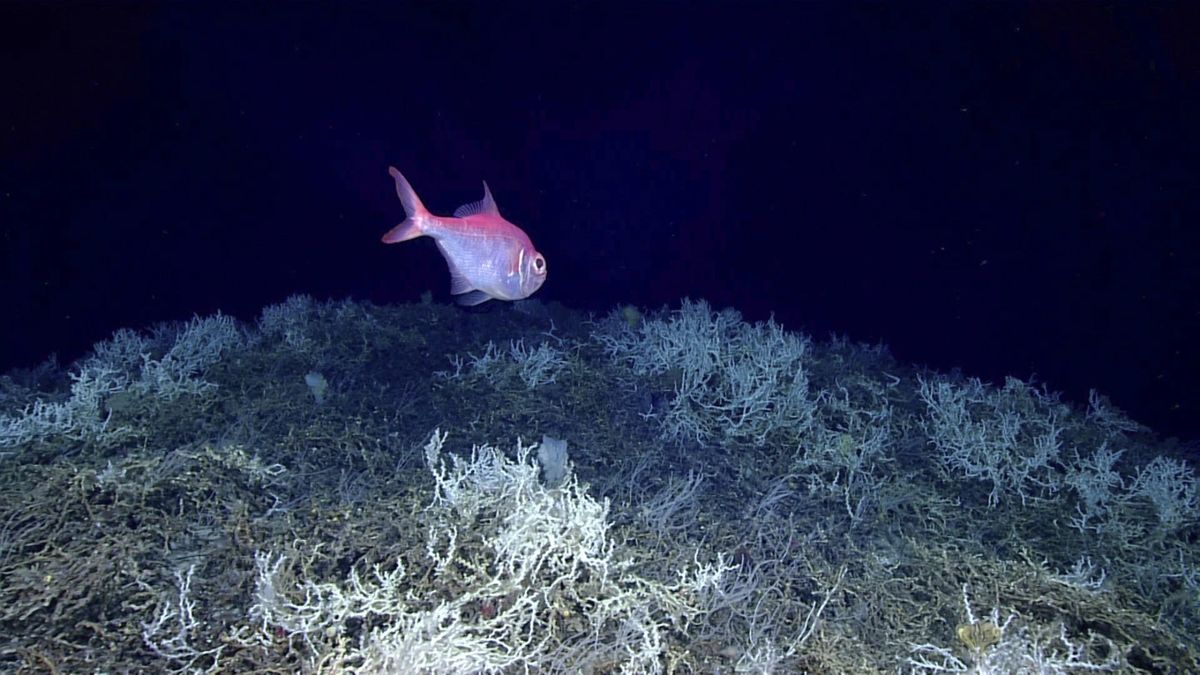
(1009, 437)
(547, 554)
(735, 380)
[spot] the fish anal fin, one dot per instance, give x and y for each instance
(471, 298)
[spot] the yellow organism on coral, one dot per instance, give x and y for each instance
(980, 636)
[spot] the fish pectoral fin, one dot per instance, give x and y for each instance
(458, 281)
(471, 298)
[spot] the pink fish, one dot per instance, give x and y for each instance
(488, 256)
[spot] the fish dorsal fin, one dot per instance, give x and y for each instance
(486, 205)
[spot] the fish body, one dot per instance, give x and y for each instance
(489, 257)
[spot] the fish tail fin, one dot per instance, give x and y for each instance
(418, 215)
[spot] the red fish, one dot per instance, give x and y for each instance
(488, 256)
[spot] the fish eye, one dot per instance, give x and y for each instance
(539, 264)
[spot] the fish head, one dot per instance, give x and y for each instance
(532, 270)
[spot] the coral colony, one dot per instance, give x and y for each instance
(324, 491)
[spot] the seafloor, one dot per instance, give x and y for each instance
(272, 496)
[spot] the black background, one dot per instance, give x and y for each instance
(1009, 189)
